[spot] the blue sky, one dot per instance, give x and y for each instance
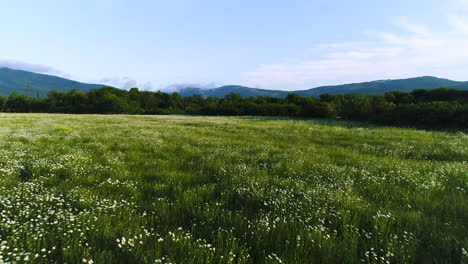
(295, 44)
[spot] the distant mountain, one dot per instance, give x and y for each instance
(383, 86)
(225, 90)
(463, 86)
(37, 85)
(374, 87)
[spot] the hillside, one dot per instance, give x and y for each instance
(463, 86)
(383, 86)
(37, 85)
(374, 88)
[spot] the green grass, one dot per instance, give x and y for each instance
(178, 189)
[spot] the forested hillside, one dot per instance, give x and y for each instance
(373, 88)
(37, 85)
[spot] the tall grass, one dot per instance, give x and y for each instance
(178, 189)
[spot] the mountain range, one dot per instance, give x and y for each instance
(374, 88)
(39, 85)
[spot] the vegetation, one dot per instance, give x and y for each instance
(174, 189)
(439, 108)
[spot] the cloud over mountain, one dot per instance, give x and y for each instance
(415, 50)
(25, 66)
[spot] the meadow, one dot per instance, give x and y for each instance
(183, 189)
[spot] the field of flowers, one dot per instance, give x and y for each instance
(178, 189)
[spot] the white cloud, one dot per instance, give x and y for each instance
(20, 65)
(416, 52)
(178, 86)
(460, 23)
(128, 83)
(125, 83)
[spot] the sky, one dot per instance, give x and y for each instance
(268, 44)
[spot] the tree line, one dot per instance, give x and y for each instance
(438, 108)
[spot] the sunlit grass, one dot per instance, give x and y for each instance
(179, 189)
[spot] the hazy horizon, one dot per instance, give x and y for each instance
(179, 87)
